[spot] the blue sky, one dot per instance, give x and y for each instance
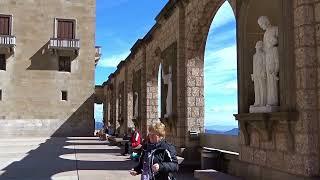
(121, 22)
(220, 71)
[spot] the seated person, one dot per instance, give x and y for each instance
(134, 143)
(102, 135)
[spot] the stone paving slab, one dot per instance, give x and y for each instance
(72, 158)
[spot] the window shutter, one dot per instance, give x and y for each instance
(4, 25)
(65, 29)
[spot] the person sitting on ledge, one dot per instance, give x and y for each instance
(135, 142)
(158, 159)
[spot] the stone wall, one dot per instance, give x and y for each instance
(287, 148)
(31, 85)
(293, 146)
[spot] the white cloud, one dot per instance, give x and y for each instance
(231, 85)
(113, 61)
(225, 55)
(218, 39)
(220, 71)
(223, 108)
(224, 16)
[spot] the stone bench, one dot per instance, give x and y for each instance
(117, 141)
(210, 174)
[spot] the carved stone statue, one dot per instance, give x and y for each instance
(136, 106)
(270, 43)
(266, 96)
(259, 76)
(167, 79)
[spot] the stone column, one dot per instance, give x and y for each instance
(143, 97)
(128, 97)
(306, 15)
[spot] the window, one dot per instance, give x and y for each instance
(64, 63)
(0, 94)
(64, 95)
(2, 62)
(5, 25)
(65, 29)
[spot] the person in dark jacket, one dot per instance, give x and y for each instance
(158, 159)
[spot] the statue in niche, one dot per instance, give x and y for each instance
(167, 79)
(259, 76)
(266, 96)
(270, 45)
(136, 106)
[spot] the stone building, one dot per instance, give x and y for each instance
(47, 60)
(278, 145)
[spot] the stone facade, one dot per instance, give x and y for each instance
(32, 84)
(281, 145)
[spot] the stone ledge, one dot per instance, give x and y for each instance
(210, 174)
(265, 124)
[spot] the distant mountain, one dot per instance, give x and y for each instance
(234, 131)
(99, 125)
(221, 128)
(210, 131)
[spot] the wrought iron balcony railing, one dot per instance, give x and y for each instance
(56, 43)
(7, 40)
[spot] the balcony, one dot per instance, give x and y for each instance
(8, 41)
(64, 44)
(97, 55)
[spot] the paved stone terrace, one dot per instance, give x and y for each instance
(73, 158)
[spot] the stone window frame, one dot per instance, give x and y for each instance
(10, 22)
(55, 26)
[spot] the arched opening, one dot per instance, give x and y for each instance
(220, 74)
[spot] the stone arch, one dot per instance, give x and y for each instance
(197, 23)
(198, 28)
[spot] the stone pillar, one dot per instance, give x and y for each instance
(306, 14)
(128, 98)
(143, 97)
(152, 101)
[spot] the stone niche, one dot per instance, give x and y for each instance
(169, 58)
(136, 87)
(249, 32)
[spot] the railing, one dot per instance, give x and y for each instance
(7, 40)
(98, 51)
(97, 55)
(57, 43)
